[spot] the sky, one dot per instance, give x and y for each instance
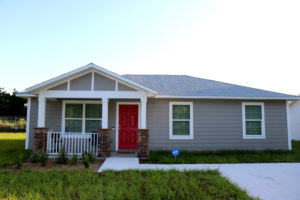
(251, 43)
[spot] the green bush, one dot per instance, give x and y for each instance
(91, 155)
(62, 157)
(74, 159)
(43, 159)
(86, 160)
(20, 161)
(35, 157)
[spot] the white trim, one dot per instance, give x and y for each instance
(116, 85)
(25, 95)
(41, 111)
(88, 66)
(288, 125)
(225, 97)
(263, 131)
(27, 123)
(93, 80)
(117, 118)
(68, 85)
(191, 120)
(93, 94)
(105, 113)
(143, 113)
(83, 112)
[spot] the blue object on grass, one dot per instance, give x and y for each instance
(175, 152)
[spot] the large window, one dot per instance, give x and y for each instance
(83, 117)
(253, 120)
(181, 120)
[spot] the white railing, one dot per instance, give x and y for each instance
(73, 143)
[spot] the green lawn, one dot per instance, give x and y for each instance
(165, 157)
(11, 146)
(84, 184)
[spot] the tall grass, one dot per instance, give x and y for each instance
(130, 184)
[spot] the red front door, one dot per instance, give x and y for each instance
(128, 126)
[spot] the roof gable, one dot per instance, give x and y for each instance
(77, 72)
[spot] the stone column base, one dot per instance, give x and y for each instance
(104, 142)
(40, 139)
(143, 144)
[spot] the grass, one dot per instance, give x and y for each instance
(270, 156)
(131, 184)
(11, 146)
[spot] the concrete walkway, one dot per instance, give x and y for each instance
(266, 180)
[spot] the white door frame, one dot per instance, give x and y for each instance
(117, 118)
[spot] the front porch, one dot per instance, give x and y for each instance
(79, 126)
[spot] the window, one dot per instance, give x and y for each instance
(181, 120)
(253, 120)
(83, 117)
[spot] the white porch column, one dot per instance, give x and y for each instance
(104, 112)
(27, 122)
(143, 112)
(41, 111)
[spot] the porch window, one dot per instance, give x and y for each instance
(253, 120)
(82, 117)
(181, 120)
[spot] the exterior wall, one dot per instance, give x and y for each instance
(217, 125)
(53, 115)
(60, 87)
(103, 83)
(33, 120)
(122, 87)
(295, 120)
(81, 83)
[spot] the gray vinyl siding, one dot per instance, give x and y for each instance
(53, 114)
(33, 120)
(81, 83)
(122, 87)
(217, 126)
(63, 86)
(103, 84)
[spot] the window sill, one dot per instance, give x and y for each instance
(254, 137)
(181, 137)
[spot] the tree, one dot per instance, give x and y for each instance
(11, 105)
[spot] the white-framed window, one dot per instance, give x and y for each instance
(253, 120)
(181, 120)
(81, 116)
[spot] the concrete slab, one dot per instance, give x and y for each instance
(264, 180)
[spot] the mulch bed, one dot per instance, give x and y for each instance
(52, 164)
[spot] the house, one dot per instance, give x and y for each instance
(295, 120)
(179, 111)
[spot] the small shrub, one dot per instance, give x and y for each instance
(43, 159)
(62, 157)
(91, 156)
(86, 160)
(20, 161)
(74, 160)
(35, 157)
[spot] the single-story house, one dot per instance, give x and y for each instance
(295, 120)
(180, 111)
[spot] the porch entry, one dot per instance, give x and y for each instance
(128, 126)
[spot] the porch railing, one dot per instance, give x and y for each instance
(73, 143)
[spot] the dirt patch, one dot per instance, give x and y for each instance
(52, 164)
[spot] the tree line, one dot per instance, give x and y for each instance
(11, 105)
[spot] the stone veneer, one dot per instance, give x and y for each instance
(143, 144)
(104, 142)
(40, 139)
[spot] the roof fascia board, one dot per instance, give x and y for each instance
(224, 97)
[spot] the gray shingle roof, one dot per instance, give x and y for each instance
(182, 85)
